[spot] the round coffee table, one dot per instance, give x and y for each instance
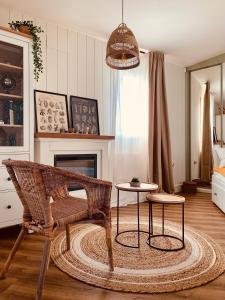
(145, 187)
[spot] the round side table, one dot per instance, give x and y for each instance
(145, 187)
(165, 199)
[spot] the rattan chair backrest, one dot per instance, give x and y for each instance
(28, 181)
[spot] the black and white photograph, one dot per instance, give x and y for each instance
(84, 115)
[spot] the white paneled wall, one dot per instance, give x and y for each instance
(90, 49)
(74, 64)
(4, 16)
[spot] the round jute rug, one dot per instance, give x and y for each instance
(143, 270)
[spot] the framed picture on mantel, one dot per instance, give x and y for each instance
(51, 112)
(84, 115)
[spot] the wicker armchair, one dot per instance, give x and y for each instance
(36, 184)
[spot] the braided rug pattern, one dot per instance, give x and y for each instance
(143, 270)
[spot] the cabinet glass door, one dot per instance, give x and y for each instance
(11, 95)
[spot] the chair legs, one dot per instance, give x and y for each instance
(43, 268)
(12, 253)
(68, 236)
(109, 245)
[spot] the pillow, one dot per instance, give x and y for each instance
(221, 153)
(216, 160)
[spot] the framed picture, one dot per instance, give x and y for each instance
(84, 115)
(51, 112)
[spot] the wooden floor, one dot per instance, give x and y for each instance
(20, 283)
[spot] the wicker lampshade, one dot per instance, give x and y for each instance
(122, 49)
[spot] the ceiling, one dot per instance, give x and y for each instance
(189, 30)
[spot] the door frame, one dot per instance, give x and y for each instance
(212, 62)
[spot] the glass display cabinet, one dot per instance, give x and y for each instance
(11, 95)
(14, 94)
(16, 116)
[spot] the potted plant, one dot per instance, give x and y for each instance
(135, 182)
(29, 28)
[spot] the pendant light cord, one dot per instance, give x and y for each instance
(122, 11)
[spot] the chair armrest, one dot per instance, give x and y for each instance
(98, 191)
(99, 200)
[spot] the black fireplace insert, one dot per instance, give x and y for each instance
(85, 164)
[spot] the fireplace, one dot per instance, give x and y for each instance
(85, 164)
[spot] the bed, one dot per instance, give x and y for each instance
(218, 187)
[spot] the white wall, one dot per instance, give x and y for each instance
(74, 64)
(175, 85)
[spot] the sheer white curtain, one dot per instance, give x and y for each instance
(131, 152)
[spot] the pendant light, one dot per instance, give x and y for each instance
(122, 51)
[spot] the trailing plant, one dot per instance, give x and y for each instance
(36, 46)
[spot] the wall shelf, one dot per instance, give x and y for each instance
(12, 68)
(11, 126)
(73, 136)
(14, 97)
(16, 32)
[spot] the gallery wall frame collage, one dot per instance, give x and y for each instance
(52, 116)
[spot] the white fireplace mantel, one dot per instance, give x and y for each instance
(46, 146)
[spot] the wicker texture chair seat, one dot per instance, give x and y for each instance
(69, 210)
(43, 191)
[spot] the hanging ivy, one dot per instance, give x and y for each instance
(36, 46)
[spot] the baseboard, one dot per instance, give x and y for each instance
(204, 190)
(178, 188)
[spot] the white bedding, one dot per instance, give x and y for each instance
(218, 156)
(218, 190)
(219, 179)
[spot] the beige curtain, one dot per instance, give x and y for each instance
(206, 159)
(160, 163)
